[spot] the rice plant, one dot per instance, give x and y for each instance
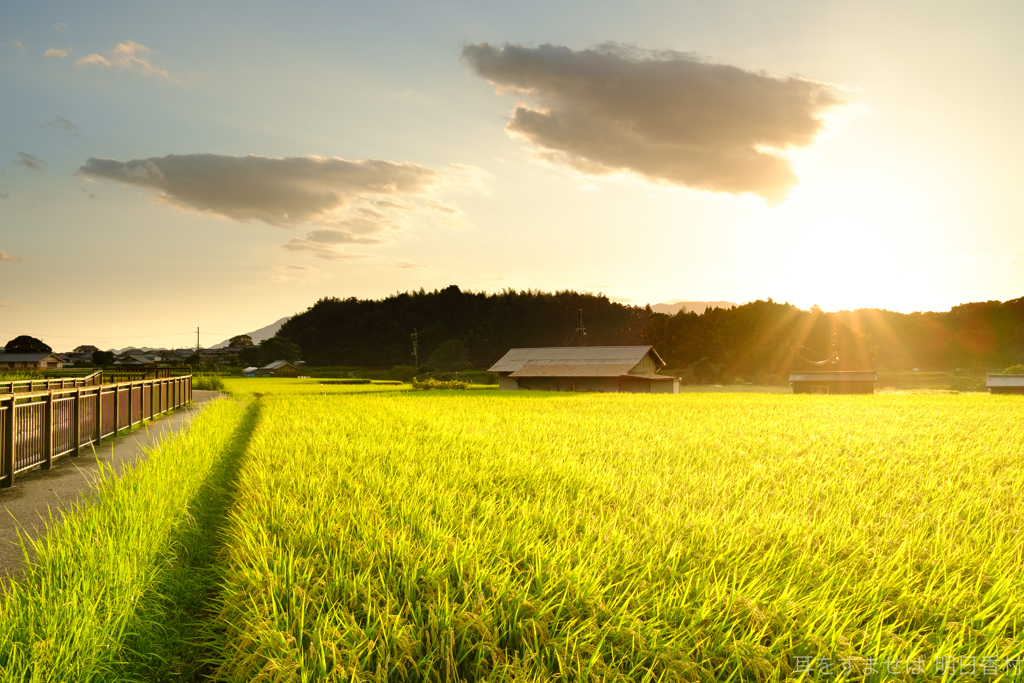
(424, 536)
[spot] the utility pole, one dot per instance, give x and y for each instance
(197, 339)
(581, 331)
(415, 348)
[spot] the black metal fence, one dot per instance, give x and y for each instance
(41, 425)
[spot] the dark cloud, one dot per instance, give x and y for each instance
(4, 195)
(60, 123)
(666, 116)
(30, 161)
(281, 192)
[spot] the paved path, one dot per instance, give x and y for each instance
(27, 505)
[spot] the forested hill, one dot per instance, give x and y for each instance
(758, 337)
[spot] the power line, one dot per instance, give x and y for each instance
(126, 336)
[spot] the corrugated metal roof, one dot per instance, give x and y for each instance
(993, 380)
(841, 376)
(516, 359)
(532, 369)
(276, 364)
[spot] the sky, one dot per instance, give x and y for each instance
(168, 166)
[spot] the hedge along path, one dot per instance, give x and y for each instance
(118, 588)
(439, 537)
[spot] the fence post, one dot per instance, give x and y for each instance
(9, 441)
(117, 408)
(131, 404)
(47, 432)
(76, 430)
(152, 399)
(99, 414)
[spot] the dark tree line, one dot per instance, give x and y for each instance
(758, 337)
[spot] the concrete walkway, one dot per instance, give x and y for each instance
(35, 495)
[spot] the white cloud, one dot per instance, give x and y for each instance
(60, 26)
(127, 56)
(991, 259)
(7, 258)
(59, 52)
(666, 116)
(13, 44)
(296, 273)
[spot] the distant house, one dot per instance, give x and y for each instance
(588, 368)
(997, 384)
(30, 361)
(134, 359)
(279, 368)
(85, 350)
(835, 382)
(250, 372)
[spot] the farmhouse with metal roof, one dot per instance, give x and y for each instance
(30, 361)
(587, 368)
(834, 382)
(998, 384)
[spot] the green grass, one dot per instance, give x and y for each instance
(117, 588)
(248, 386)
(370, 532)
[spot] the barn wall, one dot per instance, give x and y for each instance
(646, 366)
(1006, 390)
(635, 386)
(665, 387)
(506, 383)
(569, 383)
(808, 387)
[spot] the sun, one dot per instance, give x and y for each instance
(842, 262)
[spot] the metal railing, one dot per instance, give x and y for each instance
(17, 386)
(42, 425)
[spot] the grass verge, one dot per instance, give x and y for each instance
(117, 589)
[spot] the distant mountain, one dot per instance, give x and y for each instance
(697, 307)
(259, 335)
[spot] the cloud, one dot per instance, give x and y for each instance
(666, 116)
(30, 161)
(7, 258)
(12, 44)
(991, 259)
(60, 26)
(4, 195)
(281, 192)
(60, 123)
(59, 52)
(128, 56)
(293, 273)
(4, 304)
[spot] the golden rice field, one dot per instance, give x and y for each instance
(385, 534)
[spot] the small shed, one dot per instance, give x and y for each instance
(589, 368)
(279, 368)
(834, 382)
(31, 361)
(997, 384)
(250, 372)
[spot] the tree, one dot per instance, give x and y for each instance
(26, 344)
(278, 348)
(450, 356)
(102, 359)
(241, 340)
(249, 355)
(1014, 370)
(704, 371)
